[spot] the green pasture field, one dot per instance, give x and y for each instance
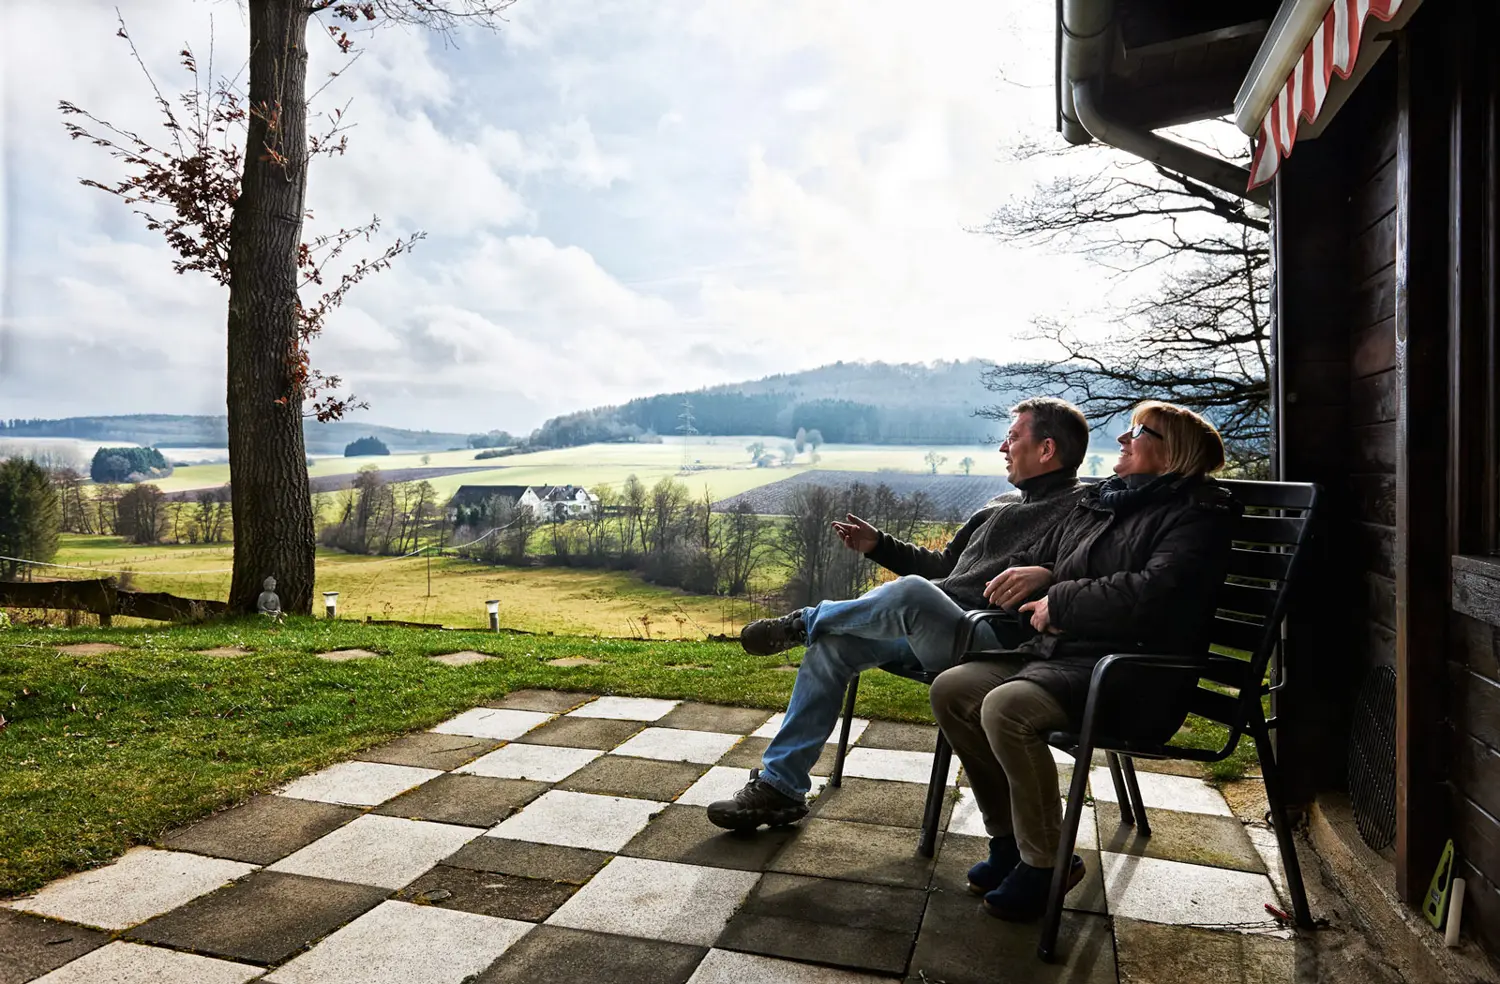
(719, 464)
(559, 600)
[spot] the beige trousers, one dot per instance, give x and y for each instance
(998, 726)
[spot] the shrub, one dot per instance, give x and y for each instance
(4, 621)
(365, 445)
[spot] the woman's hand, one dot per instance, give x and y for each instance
(1015, 584)
(1041, 621)
(856, 533)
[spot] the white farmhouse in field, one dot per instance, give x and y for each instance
(544, 501)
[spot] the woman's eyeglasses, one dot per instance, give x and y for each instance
(1141, 428)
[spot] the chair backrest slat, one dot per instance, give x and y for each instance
(1262, 564)
(1271, 530)
(1269, 552)
(1245, 599)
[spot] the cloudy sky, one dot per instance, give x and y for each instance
(620, 197)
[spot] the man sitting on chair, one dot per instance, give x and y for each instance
(912, 622)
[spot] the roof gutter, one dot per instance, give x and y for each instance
(1087, 34)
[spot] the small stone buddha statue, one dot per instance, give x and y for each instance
(269, 603)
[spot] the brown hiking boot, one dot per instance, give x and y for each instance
(769, 636)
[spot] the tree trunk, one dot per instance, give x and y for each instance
(273, 521)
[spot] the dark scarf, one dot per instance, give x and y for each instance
(1124, 495)
(1039, 486)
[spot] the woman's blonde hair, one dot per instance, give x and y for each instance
(1193, 445)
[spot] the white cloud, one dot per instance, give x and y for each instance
(620, 197)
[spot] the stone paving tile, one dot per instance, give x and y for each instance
(960, 944)
(489, 893)
(677, 745)
(344, 655)
(715, 717)
(90, 648)
(1165, 792)
(899, 737)
(539, 763)
(1154, 890)
(892, 804)
(567, 661)
(885, 763)
(855, 852)
(262, 831)
(485, 722)
(400, 943)
(426, 750)
(1153, 953)
(132, 963)
(1193, 838)
(31, 946)
(551, 701)
(850, 924)
(527, 860)
(721, 782)
(383, 851)
(265, 918)
(967, 820)
(627, 708)
(773, 724)
(958, 854)
(473, 801)
(598, 823)
(618, 775)
(144, 882)
(575, 732)
(683, 834)
(464, 657)
(747, 754)
(357, 783)
(1264, 841)
(659, 900)
(727, 967)
(554, 955)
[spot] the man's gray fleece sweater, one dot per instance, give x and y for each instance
(992, 540)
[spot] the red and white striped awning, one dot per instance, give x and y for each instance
(1333, 50)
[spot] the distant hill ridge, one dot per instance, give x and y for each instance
(847, 402)
(186, 431)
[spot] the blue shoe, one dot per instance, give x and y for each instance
(1022, 897)
(986, 876)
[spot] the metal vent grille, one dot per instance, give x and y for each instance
(1372, 758)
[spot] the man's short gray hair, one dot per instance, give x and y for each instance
(1061, 421)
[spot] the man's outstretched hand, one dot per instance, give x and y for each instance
(1015, 584)
(856, 533)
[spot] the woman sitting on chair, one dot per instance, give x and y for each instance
(1138, 565)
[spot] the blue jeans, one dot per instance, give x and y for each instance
(908, 623)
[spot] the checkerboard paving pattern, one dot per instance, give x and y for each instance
(561, 837)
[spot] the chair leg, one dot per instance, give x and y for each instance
(837, 779)
(937, 788)
(1046, 947)
(1138, 805)
(1122, 794)
(1271, 770)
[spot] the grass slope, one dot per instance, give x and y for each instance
(559, 600)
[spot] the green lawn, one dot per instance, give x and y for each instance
(102, 752)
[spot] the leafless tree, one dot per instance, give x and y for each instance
(1202, 339)
(227, 189)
